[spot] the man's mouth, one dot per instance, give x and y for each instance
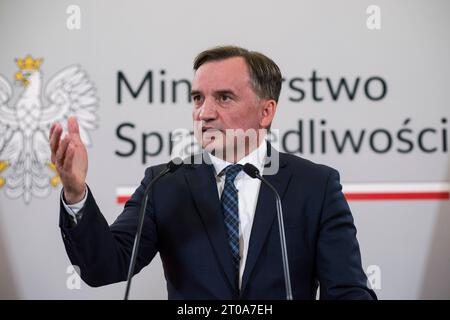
(209, 129)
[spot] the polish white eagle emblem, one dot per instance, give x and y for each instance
(25, 166)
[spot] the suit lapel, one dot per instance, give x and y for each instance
(202, 184)
(265, 215)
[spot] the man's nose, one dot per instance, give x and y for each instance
(208, 110)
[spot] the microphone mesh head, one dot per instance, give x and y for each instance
(251, 170)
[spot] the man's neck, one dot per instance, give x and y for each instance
(239, 151)
(256, 157)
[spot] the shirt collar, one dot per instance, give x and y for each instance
(256, 158)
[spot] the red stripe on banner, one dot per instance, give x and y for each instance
(398, 196)
(123, 199)
(370, 196)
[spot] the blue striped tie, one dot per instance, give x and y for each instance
(230, 209)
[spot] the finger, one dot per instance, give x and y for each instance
(51, 131)
(55, 128)
(68, 160)
(72, 124)
(62, 151)
(54, 141)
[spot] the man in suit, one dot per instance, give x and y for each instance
(214, 227)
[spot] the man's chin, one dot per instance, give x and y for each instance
(213, 147)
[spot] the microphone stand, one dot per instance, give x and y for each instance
(253, 172)
(171, 167)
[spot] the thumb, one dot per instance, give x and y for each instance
(74, 130)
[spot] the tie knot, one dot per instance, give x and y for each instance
(232, 171)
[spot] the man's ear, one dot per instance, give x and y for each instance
(267, 112)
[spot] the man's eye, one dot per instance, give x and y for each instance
(196, 98)
(224, 98)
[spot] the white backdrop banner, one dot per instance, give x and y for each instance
(365, 90)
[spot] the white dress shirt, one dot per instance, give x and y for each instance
(248, 190)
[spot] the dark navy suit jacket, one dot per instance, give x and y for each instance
(184, 223)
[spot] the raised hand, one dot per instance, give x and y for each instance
(69, 155)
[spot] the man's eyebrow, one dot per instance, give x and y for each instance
(217, 92)
(225, 91)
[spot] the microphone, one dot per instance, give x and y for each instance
(171, 167)
(253, 172)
